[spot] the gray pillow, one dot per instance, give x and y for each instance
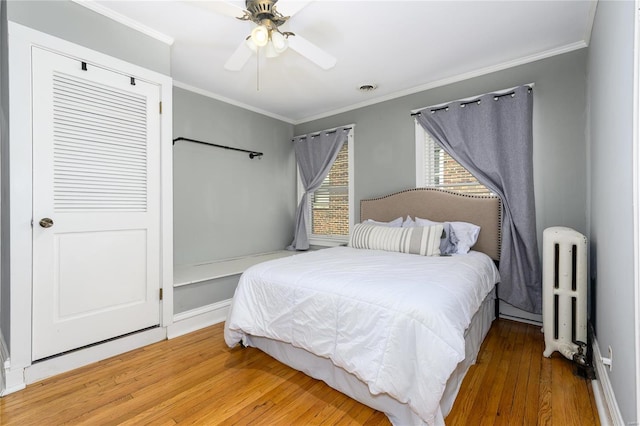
(449, 244)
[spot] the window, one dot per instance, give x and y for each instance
(331, 206)
(436, 168)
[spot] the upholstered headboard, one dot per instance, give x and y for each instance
(440, 205)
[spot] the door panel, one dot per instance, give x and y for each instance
(117, 278)
(96, 177)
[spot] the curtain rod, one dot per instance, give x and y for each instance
(496, 96)
(319, 133)
(252, 154)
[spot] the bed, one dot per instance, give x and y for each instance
(393, 330)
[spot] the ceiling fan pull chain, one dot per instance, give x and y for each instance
(258, 69)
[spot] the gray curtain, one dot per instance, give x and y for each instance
(315, 155)
(493, 139)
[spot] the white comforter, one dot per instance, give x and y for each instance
(394, 320)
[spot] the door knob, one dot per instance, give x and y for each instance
(46, 222)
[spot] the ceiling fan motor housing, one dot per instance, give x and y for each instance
(261, 10)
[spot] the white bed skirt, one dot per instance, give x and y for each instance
(397, 412)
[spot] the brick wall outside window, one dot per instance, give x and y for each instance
(444, 172)
(330, 203)
(457, 178)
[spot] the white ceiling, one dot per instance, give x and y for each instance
(400, 46)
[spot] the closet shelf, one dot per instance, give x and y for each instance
(192, 274)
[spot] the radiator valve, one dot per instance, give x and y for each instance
(580, 357)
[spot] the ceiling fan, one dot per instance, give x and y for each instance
(267, 34)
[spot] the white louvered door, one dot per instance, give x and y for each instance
(96, 176)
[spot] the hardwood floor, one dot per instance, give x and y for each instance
(512, 383)
(196, 379)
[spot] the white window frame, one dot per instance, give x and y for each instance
(333, 240)
(422, 160)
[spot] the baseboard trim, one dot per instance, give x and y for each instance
(598, 396)
(14, 381)
(195, 319)
(520, 319)
(604, 396)
(5, 363)
(63, 363)
(10, 380)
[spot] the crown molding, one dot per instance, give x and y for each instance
(124, 20)
(230, 101)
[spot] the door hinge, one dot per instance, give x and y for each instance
(160, 107)
(160, 294)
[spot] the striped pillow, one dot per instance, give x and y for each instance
(423, 240)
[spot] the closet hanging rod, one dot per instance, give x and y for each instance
(252, 154)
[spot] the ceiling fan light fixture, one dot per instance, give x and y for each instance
(267, 34)
(270, 51)
(260, 36)
(279, 41)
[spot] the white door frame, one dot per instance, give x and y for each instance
(21, 39)
(636, 197)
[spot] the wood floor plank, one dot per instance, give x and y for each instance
(326, 401)
(482, 412)
(471, 386)
(282, 397)
(532, 391)
(502, 414)
(194, 401)
(514, 401)
(546, 394)
(146, 396)
(196, 379)
(335, 408)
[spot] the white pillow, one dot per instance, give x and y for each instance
(408, 222)
(467, 234)
(424, 222)
(395, 223)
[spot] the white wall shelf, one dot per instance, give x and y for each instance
(191, 274)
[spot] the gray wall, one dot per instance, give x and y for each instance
(70, 21)
(610, 65)
(193, 296)
(385, 144)
(226, 204)
(5, 293)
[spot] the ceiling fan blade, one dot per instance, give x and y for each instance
(312, 52)
(291, 7)
(240, 57)
(220, 7)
